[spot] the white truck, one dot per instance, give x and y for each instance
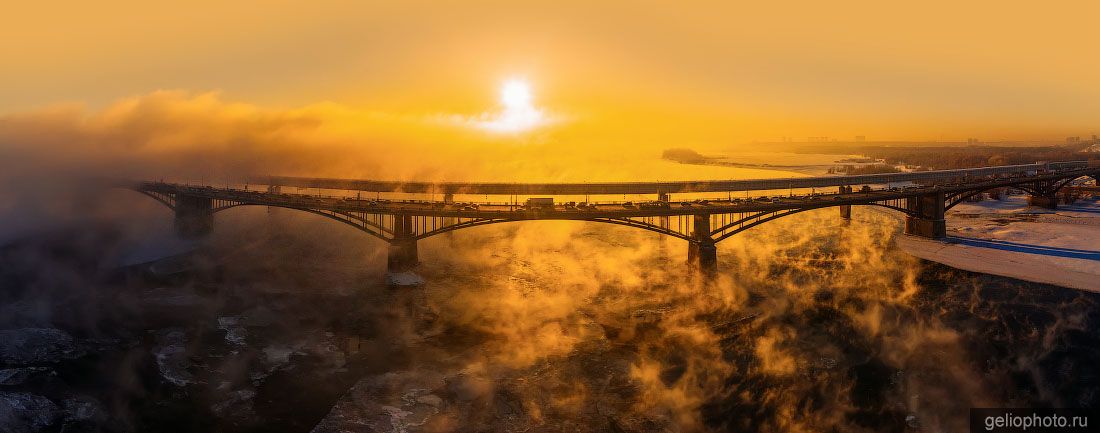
(540, 203)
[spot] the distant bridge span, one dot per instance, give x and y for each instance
(702, 223)
(673, 187)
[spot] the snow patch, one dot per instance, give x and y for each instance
(403, 279)
(171, 356)
(235, 332)
(36, 346)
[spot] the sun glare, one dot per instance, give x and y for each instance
(515, 94)
(519, 114)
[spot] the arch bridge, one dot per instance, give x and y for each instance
(701, 223)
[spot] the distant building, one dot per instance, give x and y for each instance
(972, 141)
(1072, 140)
(861, 138)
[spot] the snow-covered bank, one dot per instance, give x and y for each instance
(1007, 238)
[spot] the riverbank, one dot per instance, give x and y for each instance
(1008, 238)
(802, 164)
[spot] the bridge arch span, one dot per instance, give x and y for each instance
(1065, 182)
(617, 221)
(164, 199)
(379, 230)
(356, 222)
(759, 218)
(1032, 188)
(955, 200)
(905, 211)
(752, 221)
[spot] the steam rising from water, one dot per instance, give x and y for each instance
(805, 330)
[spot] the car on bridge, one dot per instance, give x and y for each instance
(540, 203)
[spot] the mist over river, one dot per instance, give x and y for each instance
(281, 322)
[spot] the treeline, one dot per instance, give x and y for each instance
(865, 169)
(950, 157)
(941, 158)
(682, 155)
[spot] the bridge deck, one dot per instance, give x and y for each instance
(595, 210)
(600, 188)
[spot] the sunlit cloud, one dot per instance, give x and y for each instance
(517, 113)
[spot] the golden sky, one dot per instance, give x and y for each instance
(675, 73)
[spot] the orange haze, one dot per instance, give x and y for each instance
(629, 74)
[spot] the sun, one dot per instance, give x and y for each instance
(515, 94)
(519, 112)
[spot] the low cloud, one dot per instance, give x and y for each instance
(201, 137)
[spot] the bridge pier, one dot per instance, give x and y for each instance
(845, 209)
(928, 220)
(402, 255)
(996, 193)
(1069, 196)
(703, 256)
(1049, 201)
(702, 251)
(662, 221)
(194, 216)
